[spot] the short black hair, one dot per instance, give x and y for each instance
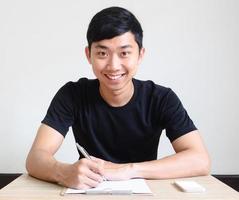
(111, 22)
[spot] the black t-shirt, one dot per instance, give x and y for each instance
(119, 134)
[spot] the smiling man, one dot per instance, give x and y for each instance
(115, 62)
(117, 118)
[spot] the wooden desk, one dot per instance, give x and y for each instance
(28, 188)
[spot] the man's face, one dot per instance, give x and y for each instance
(115, 61)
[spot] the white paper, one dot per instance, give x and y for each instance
(137, 186)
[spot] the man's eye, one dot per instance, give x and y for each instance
(102, 54)
(125, 53)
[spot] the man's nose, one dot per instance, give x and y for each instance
(114, 62)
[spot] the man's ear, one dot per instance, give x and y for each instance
(87, 53)
(141, 54)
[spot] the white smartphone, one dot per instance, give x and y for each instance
(189, 186)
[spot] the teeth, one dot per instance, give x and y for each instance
(113, 77)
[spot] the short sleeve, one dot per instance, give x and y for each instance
(60, 115)
(175, 118)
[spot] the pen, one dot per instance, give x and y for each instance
(85, 153)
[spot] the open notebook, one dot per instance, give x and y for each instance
(132, 186)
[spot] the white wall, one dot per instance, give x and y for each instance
(192, 46)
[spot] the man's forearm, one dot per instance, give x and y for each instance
(183, 164)
(43, 166)
(82, 174)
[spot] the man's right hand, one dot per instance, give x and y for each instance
(83, 174)
(41, 163)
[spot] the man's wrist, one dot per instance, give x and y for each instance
(59, 172)
(134, 170)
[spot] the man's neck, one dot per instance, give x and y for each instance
(117, 98)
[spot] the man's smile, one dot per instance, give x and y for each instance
(114, 76)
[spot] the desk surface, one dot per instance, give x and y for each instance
(28, 188)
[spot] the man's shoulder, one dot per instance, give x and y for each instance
(150, 87)
(76, 89)
(80, 84)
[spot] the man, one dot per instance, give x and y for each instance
(115, 117)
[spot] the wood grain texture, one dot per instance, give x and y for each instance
(28, 188)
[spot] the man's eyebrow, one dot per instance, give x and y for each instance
(99, 46)
(126, 46)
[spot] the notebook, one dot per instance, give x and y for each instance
(124, 187)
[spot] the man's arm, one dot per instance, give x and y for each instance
(41, 163)
(191, 159)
